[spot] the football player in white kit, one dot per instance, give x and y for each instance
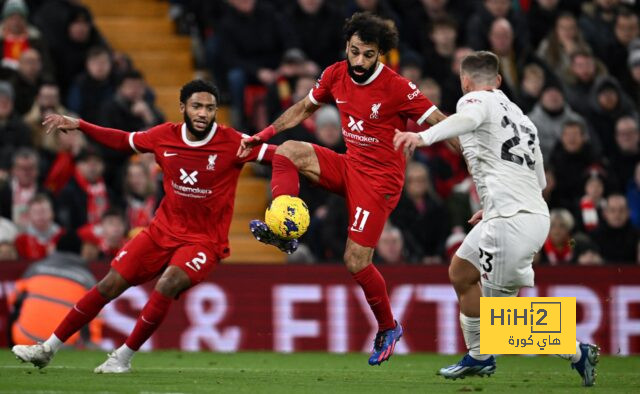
(500, 145)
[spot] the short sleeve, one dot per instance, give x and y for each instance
(474, 106)
(413, 103)
(145, 141)
(321, 92)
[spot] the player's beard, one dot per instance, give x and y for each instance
(368, 72)
(200, 135)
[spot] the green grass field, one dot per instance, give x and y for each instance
(179, 372)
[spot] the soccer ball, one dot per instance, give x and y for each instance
(287, 217)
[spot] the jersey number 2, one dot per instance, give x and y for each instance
(195, 263)
(515, 141)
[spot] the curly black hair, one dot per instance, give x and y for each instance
(372, 30)
(196, 86)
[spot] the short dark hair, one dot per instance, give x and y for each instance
(40, 197)
(445, 21)
(372, 30)
(97, 51)
(575, 123)
(481, 64)
(196, 86)
(129, 74)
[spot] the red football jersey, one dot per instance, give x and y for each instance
(370, 113)
(199, 180)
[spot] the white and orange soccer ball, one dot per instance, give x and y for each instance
(287, 217)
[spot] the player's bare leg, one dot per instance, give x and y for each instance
(85, 310)
(172, 282)
(465, 278)
(291, 158)
(357, 259)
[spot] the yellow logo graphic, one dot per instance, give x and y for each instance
(527, 325)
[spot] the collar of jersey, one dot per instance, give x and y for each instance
(372, 77)
(201, 142)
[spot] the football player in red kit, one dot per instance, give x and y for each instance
(189, 233)
(373, 101)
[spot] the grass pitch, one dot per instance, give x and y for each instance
(180, 372)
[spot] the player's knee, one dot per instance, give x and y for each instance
(112, 285)
(354, 262)
(292, 150)
(173, 282)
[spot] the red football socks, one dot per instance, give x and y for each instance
(375, 290)
(85, 310)
(150, 318)
(284, 180)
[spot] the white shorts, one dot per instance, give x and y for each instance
(502, 249)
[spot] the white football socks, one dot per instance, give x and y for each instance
(54, 343)
(471, 331)
(125, 353)
(573, 357)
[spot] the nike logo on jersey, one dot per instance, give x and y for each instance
(167, 154)
(340, 101)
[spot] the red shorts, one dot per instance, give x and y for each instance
(150, 252)
(368, 210)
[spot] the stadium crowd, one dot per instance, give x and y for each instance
(573, 66)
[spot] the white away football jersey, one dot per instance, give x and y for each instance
(503, 155)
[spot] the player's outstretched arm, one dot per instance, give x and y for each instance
(111, 138)
(290, 118)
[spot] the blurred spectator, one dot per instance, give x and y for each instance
(418, 17)
(596, 22)
(421, 216)
(70, 51)
(389, 249)
(21, 187)
(451, 90)
(85, 198)
(571, 158)
(381, 8)
(140, 195)
(590, 208)
(317, 26)
(480, 23)
(541, 18)
(250, 60)
(27, 80)
(276, 106)
(608, 104)
(560, 247)
(16, 36)
(296, 74)
(560, 43)
(42, 234)
(328, 129)
(633, 197)
(626, 29)
(628, 150)
(438, 57)
(431, 89)
(634, 68)
(52, 18)
(411, 67)
(103, 240)
(91, 89)
(616, 237)
(332, 231)
(13, 132)
(62, 149)
(44, 295)
(128, 110)
(533, 80)
(550, 115)
(8, 234)
(582, 75)
(47, 102)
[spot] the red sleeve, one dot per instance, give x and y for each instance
(145, 141)
(321, 92)
(413, 103)
(111, 138)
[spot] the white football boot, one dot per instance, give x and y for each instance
(39, 355)
(113, 365)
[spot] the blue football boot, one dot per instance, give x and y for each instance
(586, 366)
(263, 234)
(384, 344)
(469, 366)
